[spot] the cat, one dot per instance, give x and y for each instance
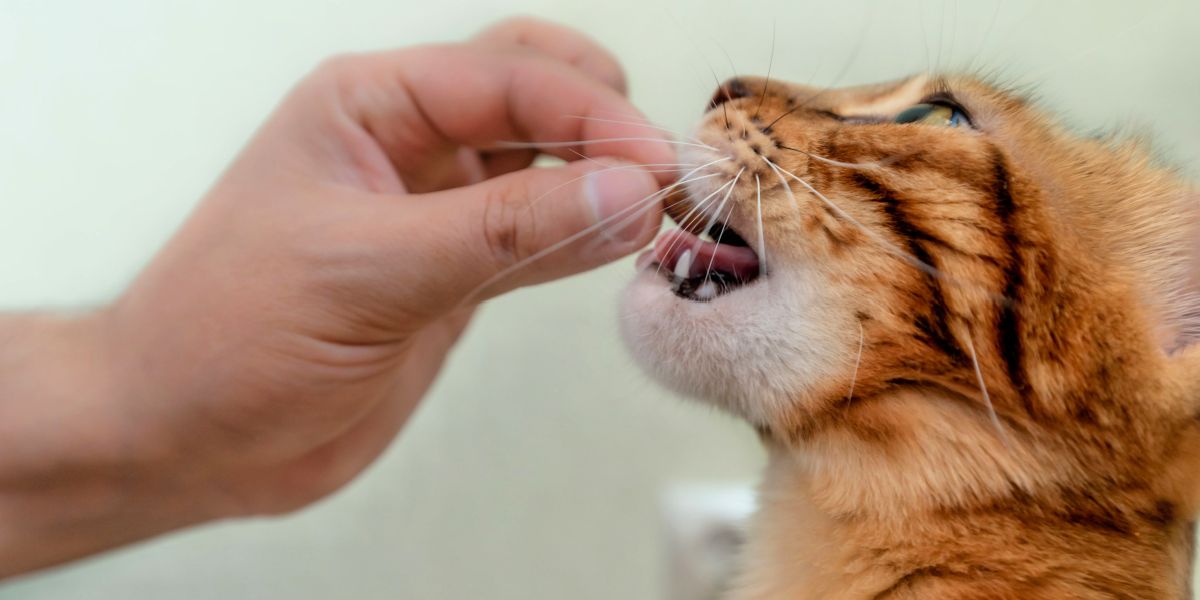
(963, 333)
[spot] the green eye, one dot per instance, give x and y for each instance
(932, 114)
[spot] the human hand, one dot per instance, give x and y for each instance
(281, 339)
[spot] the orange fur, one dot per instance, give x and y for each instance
(1063, 266)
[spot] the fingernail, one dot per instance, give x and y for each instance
(620, 199)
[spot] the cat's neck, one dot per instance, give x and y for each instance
(829, 505)
(845, 518)
(797, 549)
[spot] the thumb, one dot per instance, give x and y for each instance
(530, 227)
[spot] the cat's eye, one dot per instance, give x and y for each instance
(944, 115)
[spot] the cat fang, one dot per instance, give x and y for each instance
(700, 269)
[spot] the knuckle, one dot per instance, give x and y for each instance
(509, 226)
(517, 27)
(340, 73)
(338, 65)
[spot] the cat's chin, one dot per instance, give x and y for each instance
(752, 352)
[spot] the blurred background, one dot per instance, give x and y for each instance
(543, 462)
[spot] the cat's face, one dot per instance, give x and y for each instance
(908, 235)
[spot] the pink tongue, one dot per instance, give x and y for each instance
(739, 261)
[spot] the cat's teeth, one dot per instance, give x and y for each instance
(707, 291)
(684, 265)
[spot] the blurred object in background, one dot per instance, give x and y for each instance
(704, 526)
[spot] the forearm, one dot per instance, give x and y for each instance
(75, 476)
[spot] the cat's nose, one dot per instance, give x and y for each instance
(730, 90)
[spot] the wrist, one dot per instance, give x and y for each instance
(77, 473)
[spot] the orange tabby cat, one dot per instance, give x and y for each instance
(961, 331)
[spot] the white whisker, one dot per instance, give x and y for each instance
(684, 179)
(693, 215)
(866, 166)
(660, 167)
(762, 240)
(916, 262)
(697, 211)
(888, 245)
(571, 143)
(583, 156)
(621, 214)
(770, 63)
(717, 215)
(634, 123)
(857, 363)
(613, 168)
(721, 235)
(987, 399)
(631, 218)
(685, 220)
(700, 53)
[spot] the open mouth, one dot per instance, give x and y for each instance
(702, 268)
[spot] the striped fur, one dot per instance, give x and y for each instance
(1063, 265)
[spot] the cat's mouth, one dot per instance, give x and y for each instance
(702, 268)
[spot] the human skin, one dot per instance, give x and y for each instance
(284, 335)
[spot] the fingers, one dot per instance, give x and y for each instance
(526, 98)
(557, 42)
(419, 104)
(534, 36)
(462, 246)
(501, 163)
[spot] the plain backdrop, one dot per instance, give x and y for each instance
(534, 469)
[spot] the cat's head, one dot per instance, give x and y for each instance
(927, 234)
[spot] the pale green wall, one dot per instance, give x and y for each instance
(533, 471)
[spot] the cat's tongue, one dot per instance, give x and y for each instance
(688, 256)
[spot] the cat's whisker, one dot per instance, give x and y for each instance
(715, 162)
(924, 36)
(657, 195)
(572, 143)
(701, 203)
(633, 208)
(1108, 38)
(550, 191)
(767, 81)
(696, 213)
(916, 262)
(583, 156)
(635, 123)
(717, 215)
(854, 52)
(693, 216)
(762, 240)
(783, 115)
(733, 70)
(635, 216)
(866, 166)
(700, 53)
(937, 64)
(857, 363)
(987, 398)
(868, 20)
(983, 40)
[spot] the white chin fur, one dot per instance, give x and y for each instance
(753, 352)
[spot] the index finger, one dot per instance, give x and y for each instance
(555, 41)
(426, 99)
